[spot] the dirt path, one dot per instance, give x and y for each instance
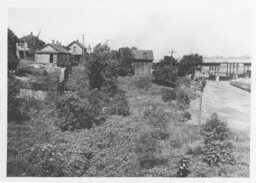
(230, 103)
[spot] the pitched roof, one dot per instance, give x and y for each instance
(58, 48)
(29, 37)
(142, 54)
(78, 43)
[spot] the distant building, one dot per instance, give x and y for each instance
(77, 51)
(27, 45)
(53, 54)
(143, 61)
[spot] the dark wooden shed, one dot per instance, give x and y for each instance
(142, 60)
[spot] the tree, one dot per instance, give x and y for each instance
(102, 68)
(164, 71)
(12, 57)
(189, 64)
(126, 59)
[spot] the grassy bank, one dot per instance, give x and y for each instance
(153, 140)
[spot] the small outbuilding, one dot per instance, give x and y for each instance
(77, 51)
(143, 60)
(53, 54)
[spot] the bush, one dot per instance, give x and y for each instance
(189, 64)
(185, 116)
(76, 113)
(215, 129)
(118, 105)
(168, 95)
(164, 72)
(157, 120)
(77, 82)
(15, 105)
(217, 150)
(218, 153)
(101, 66)
(194, 148)
(147, 149)
(45, 161)
(183, 166)
(182, 97)
(125, 67)
(142, 82)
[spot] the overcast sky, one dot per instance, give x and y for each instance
(204, 27)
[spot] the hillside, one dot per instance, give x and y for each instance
(153, 140)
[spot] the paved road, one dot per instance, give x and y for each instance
(231, 104)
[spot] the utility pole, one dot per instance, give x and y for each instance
(172, 52)
(83, 48)
(203, 83)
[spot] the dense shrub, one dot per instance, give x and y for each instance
(12, 57)
(183, 99)
(15, 104)
(46, 161)
(147, 149)
(77, 82)
(194, 148)
(185, 116)
(217, 150)
(157, 120)
(183, 168)
(118, 105)
(215, 129)
(142, 82)
(218, 153)
(165, 76)
(168, 95)
(75, 112)
(101, 66)
(189, 64)
(164, 72)
(125, 67)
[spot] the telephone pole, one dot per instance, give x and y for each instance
(172, 52)
(203, 83)
(83, 48)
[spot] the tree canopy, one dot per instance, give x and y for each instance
(189, 64)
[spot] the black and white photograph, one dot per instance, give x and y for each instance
(127, 89)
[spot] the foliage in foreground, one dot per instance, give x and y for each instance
(217, 150)
(75, 112)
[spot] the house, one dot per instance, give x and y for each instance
(27, 45)
(142, 60)
(53, 54)
(77, 51)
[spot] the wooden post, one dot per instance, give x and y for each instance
(200, 109)
(218, 73)
(227, 71)
(230, 65)
(236, 70)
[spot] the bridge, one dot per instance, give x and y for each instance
(227, 68)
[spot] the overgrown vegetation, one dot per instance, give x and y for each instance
(100, 125)
(165, 72)
(189, 64)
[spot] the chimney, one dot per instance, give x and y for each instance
(31, 33)
(57, 42)
(77, 40)
(53, 41)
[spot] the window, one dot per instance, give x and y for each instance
(74, 49)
